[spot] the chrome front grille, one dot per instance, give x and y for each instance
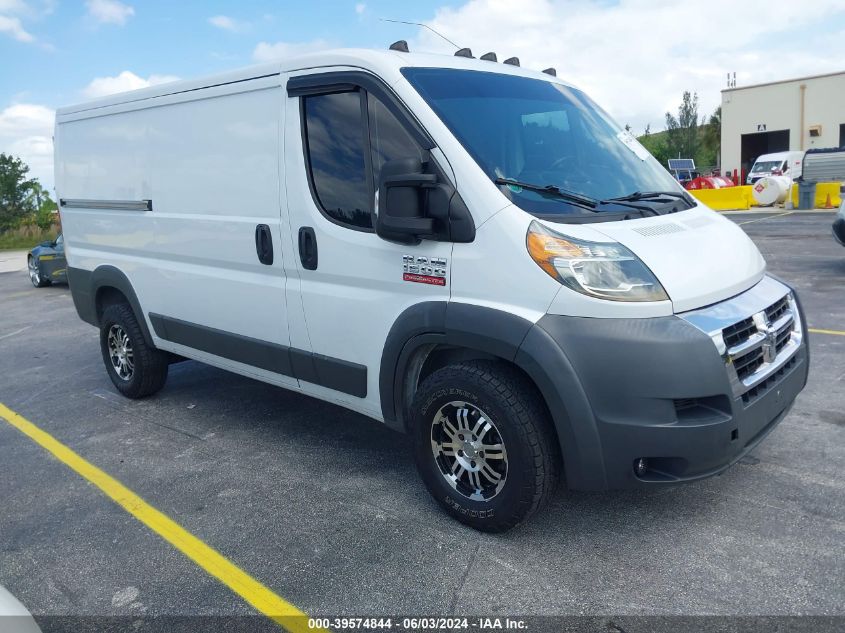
(738, 332)
(774, 311)
(757, 340)
(757, 333)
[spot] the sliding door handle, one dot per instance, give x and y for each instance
(264, 244)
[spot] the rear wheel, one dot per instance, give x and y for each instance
(35, 275)
(136, 368)
(484, 444)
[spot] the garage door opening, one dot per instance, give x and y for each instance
(754, 145)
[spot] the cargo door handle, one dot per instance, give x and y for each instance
(264, 244)
(308, 248)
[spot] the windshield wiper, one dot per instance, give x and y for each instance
(650, 195)
(563, 194)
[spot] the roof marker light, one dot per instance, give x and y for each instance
(489, 57)
(400, 45)
(463, 52)
(551, 71)
(512, 61)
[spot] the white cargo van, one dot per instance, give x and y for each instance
(465, 250)
(778, 164)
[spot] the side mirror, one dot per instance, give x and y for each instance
(413, 205)
(401, 212)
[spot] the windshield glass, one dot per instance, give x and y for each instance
(539, 132)
(766, 166)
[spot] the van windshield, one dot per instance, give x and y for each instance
(767, 166)
(543, 133)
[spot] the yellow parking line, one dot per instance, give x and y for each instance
(217, 565)
(833, 332)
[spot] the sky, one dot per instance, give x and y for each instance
(635, 57)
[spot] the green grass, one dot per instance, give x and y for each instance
(25, 237)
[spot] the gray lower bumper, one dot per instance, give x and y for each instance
(839, 226)
(657, 389)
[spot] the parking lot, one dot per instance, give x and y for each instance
(324, 507)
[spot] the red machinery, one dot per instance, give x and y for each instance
(709, 182)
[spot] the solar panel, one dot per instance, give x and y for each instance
(684, 164)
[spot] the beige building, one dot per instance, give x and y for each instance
(795, 114)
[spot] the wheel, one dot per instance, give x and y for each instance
(136, 368)
(484, 444)
(35, 274)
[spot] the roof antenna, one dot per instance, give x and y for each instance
(425, 26)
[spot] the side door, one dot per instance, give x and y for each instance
(352, 284)
(214, 283)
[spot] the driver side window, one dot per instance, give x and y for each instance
(389, 140)
(347, 151)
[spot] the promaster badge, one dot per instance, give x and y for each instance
(424, 270)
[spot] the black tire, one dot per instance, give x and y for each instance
(35, 275)
(148, 365)
(519, 421)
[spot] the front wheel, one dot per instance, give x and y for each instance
(484, 444)
(35, 275)
(136, 368)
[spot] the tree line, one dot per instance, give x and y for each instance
(22, 199)
(687, 136)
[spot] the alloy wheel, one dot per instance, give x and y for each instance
(34, 274)
(120, 352)
(469, 451)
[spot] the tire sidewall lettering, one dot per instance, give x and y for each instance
(449, 393)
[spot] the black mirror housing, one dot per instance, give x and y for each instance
(414, 204)
(400, 215)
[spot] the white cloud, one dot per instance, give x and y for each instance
(13, 27)
(227, 24)
(125, 81)
(25, 118)
(360, 8)
(109, 11)
(266, 52)
(636, 57)
(12, 6)
(26, 131)
(11, 13)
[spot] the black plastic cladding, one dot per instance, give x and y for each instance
(334, 373)
(86, 284)
(511, 338)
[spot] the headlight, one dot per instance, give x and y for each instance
(606, 270)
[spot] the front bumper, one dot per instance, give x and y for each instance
(679, 391)
(839, 225)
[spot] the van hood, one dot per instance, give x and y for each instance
(699, 256)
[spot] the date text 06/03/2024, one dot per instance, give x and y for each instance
(417, 623)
